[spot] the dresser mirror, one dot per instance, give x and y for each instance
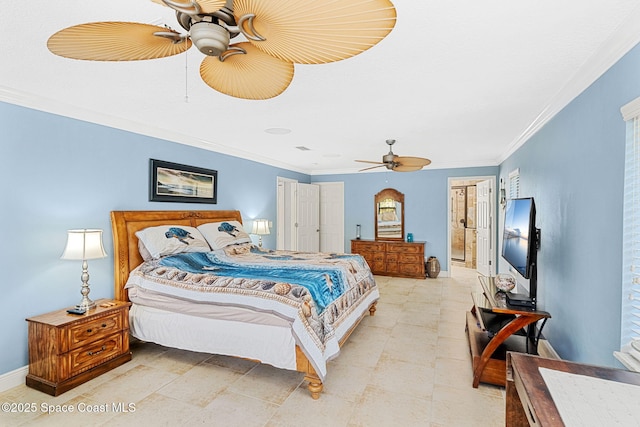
(389, 215)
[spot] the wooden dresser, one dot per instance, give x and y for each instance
(66, 350)
(392, 258)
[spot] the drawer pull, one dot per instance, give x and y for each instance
(93, 353)
(104, 325)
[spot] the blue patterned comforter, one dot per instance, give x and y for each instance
(320, 294)
(324, 282)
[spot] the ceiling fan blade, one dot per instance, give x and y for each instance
(368, 161)
(254, 75)
(314, 32)
(412, 161)
(116, 41)
(206, 6)
(372, 167)
(403, 168)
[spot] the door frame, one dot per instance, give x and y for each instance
(494, 217)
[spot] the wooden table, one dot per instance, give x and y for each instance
(494, 328)
(529, 401)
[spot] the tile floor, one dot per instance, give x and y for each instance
(409, 365)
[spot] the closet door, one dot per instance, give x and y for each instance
(308, 218)
(331, 217)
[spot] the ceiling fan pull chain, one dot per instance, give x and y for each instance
(245, 25)
(233, 50)
(186, 77)
(190, 7)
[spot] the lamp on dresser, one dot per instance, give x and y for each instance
(260, 228)
(84, 244)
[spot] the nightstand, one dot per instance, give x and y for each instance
(66, 350)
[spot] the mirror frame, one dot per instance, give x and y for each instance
(389, 193)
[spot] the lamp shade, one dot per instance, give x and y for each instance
(84, 244)
(260, 227)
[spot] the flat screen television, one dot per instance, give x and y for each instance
(520, 246)
(519, 238)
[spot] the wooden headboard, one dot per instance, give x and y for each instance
(124, 225)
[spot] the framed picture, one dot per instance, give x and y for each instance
(171, 182)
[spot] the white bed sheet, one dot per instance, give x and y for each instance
(269, 343)
(274, 345)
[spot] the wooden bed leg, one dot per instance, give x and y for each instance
(372, 309)
(315, 386)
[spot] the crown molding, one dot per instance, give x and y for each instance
(39, 103)
(610, 51)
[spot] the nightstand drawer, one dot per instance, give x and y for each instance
(95, 329)
(86, 357)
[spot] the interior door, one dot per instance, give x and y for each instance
(286, 215)
(485, 255)
(331, 217)
(308, 218)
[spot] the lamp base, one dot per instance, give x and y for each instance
(86, 304)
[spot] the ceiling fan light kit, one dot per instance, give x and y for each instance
(279, 33)
(397, 163)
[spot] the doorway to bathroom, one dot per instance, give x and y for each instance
(463, 223)
(471, 220)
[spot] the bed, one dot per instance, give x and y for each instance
(288, 309)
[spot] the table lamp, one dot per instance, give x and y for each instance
(84, 244)
(261, 228)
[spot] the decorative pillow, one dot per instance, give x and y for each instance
(144, 252)
(225, 233)
(171, 239)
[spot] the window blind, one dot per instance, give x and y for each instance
(630, 326)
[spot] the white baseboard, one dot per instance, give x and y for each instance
(545, 350)
(13, 379)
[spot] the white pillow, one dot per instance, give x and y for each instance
(225, 233)
(172, 239)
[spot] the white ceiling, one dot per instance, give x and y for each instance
(462, 82)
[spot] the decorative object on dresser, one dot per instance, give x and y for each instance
(84, 244)
(66, 350)
(260, 228)
(399, 259)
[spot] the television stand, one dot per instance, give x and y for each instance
(494, 328)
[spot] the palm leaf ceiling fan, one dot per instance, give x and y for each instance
(279, 33)
(398, 163)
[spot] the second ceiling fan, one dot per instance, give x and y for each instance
(398, 163)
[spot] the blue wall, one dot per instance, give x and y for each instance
(59, 173)
(574, 168)
(426, 194)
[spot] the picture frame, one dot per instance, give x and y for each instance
(173, 182)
